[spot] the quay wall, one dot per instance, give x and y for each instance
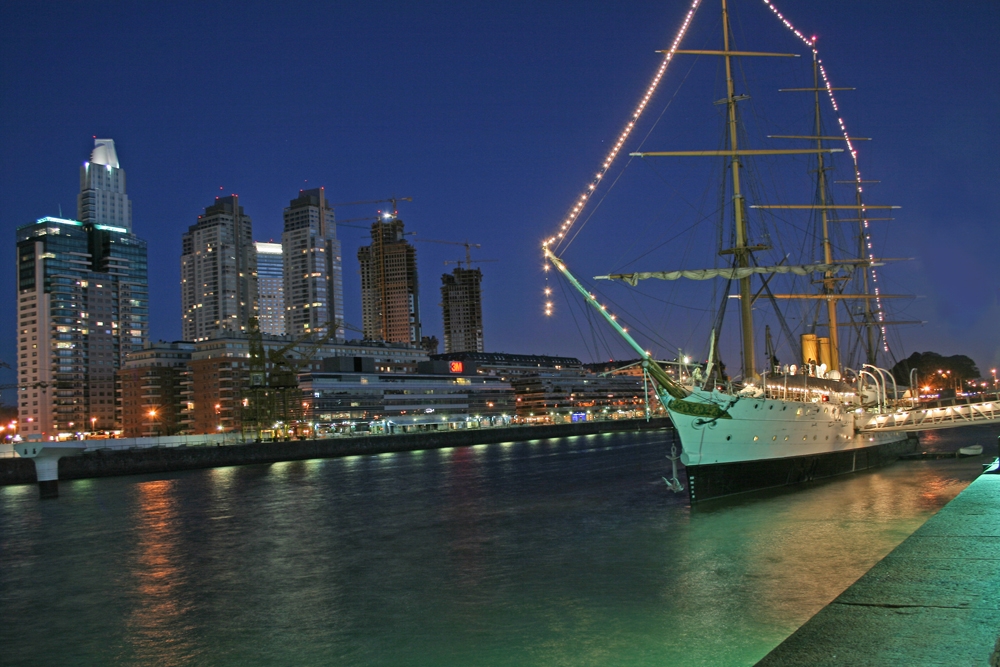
(136, 461)
(932, 601)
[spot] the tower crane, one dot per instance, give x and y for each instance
(375, 201)
(468, 249)
(467, 263)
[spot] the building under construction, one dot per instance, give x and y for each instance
(390, 297)
(462, 310)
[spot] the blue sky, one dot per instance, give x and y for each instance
(492, 116)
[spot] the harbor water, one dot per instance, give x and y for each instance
(567, 551)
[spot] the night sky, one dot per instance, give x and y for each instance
(492, 116)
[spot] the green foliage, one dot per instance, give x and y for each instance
(936, 371)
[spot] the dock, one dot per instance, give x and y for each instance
(934, 600)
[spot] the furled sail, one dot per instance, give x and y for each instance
(729, 273)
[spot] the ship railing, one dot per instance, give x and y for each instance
(932, 418)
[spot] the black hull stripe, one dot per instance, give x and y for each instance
(726, 479)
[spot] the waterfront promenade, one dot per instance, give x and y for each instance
(934, 600)
(107, 460)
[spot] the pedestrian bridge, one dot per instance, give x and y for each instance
(929, 419)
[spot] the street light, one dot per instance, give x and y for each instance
(93, 424)
(152, 420)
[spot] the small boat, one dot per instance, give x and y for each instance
(971, 450)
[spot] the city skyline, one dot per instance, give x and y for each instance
(500, 126)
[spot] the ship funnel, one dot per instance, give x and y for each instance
(810, 349)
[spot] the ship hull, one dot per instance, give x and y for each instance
(726, 479)
(766, 443)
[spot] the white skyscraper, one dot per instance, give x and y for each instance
(270, 288)
(102, 199)
(314, 285)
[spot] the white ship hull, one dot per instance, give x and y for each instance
(771, 442)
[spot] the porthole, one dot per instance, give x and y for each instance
(805, 437)
(756, 438)
(786, 437)
(729, 437)
(770, 407)
(784, 407)
(827, 437)
(774, 437)
(815, 436)
(799, 411)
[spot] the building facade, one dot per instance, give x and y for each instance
(551, 397)
(223, 391)
(462, 310)
(218, 271)
(103, 199)
(406, 402)
(156, 390)
(270, 288)
(313, 267)
(390, 293)
(82, 306)
(509, 366)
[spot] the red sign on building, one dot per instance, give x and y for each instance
(455, 366)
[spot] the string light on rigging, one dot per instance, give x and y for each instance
(574, 213)
(811, 43)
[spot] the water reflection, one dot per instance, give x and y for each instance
(568, 551)
(461, 515)
(156, 628)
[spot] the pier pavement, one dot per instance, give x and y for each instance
(934, 600)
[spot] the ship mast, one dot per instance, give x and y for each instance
(829, 282)
(741, 251)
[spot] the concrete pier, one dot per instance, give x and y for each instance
(934, 600)
(46, 456)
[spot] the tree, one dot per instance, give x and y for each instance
(936, 371)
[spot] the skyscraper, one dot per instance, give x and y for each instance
(314, 281)
(390, 295)
(462, 307)
(83, 304)
(270, 288)
(102, 198)
(218, 271)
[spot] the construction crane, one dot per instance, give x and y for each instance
(468, 249)
(467, 263)
(270, 391)
(375, 201)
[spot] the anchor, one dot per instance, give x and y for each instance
(673, 483)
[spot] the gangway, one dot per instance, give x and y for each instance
(929, 419)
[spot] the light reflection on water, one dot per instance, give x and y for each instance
(566, 551)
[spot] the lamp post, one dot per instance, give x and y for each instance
(93, 425)
(152, 421)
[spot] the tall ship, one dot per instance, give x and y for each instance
(796, 257)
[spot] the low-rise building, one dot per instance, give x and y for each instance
(509, 366)
(214, 385)
(550, 397)
(155, 389)
(433, 399)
